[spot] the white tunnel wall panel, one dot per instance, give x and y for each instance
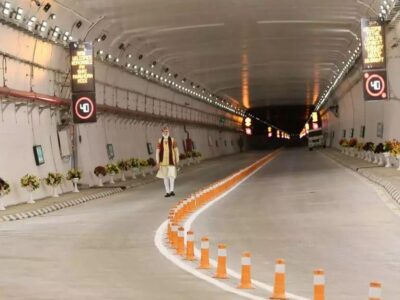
(354, 112)
(23, 127)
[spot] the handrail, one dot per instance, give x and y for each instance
(57, 101)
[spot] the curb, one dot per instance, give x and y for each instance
(389, 188)
(68, 203)
(58, 206)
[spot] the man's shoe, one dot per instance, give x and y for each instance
(167, 195)
(172, 194)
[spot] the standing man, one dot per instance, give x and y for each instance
(167, 159)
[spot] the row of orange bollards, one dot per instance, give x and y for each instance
(176, 238)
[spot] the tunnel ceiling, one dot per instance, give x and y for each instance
(259, 52)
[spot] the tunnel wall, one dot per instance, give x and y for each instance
(23, 126)
(354, 112)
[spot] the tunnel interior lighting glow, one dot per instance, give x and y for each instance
(6, 8)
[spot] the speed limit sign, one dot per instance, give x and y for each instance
(375, 85)
(84, 108)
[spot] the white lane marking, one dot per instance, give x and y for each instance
(158, 240)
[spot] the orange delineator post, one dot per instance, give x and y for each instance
(181, 242)
(375, 291)
(205, 254)
(319, 285)
(279, 291)
(221, 262)
(190, 246)
(174, 236)
(245, 282)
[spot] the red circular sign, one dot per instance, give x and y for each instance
(84, 108)
(379, 85)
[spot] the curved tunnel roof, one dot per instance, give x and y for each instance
(258, 53)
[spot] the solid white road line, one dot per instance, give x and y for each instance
(158, 240)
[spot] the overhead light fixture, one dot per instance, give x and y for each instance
(108, 56)
(43, 26)
(129, 55)
(100, 52)
(53, 16)
(6, 8)
(31, 23)
(153, 64)
(47, 7)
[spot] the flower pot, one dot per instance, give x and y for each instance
(100, 180)
(375, 158)
(112, 178)
(380, 159)
(387, 158)
(2, 207)
(30, 199)
(55, 193)
(135, 171)
(75, 182)
(123, 179)
(398, 158)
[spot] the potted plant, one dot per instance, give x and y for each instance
(369, 147)
(352, 144)
(197, 156)
(100, 172)
(124, 166)
(343, 144)
(151, 163)
(4, 190)
(112, 170)
(379, 149)
(74, 175)
(182, 158)
(189, 156)
(388, 146)
(360, 150)
(134, 163)
(54, 180)
(396, 151)
(31, 183)
(143, 164)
